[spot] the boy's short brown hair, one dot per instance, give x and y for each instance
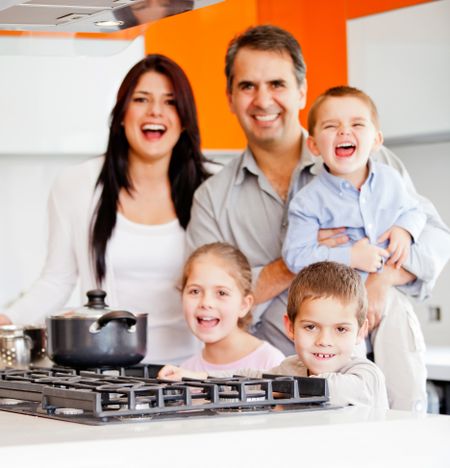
(328, 279)
(341, 91)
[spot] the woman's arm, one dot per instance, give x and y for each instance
(58, 277)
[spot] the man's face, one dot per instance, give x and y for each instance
(266, 97)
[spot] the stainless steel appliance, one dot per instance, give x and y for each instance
(134, 394)
(89, 15)
(15, 346)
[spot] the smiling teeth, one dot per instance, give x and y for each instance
(207, 319)
(324, 355)
(154, 127)
(266, 118)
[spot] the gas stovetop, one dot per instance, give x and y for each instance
(134, 394)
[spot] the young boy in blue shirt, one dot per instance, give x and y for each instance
(369, 199)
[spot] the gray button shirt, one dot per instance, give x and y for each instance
(238, 205)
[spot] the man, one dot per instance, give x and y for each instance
(246, 205)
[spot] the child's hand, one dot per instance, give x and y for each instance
(170, 372)
(367, 257)
(399, 245)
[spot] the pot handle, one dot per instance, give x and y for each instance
(119, 315)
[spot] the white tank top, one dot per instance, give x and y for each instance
(145, 263)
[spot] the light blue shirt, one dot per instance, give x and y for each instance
(329, 201)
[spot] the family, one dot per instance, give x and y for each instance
(301, 253)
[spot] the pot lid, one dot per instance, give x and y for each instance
(94, 308)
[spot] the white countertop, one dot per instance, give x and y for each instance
(437, 359)
(347, 437)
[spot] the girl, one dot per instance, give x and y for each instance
(217, 299)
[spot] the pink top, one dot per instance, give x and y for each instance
(264, 357)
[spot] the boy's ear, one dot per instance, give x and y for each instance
(378, 140)
(362, 332)
(289, 327)
(312, 146)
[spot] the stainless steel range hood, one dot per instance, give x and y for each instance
(89, 15)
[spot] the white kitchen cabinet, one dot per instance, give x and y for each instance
(56, 94)
(401, 58)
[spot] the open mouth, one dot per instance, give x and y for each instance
(345, 150)
(153, 131)
(323, 356)
(208, 322)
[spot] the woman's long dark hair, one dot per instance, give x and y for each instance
(186, 168)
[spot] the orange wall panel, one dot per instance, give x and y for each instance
(320, 28)
(198, 40)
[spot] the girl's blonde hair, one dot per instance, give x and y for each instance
(238, 268)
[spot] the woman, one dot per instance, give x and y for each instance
(117, 222)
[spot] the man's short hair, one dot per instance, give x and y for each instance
(268, 38)
(325, 280)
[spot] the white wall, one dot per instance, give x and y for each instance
(24, 186)
(429, 167)
(56, 94)
(401, 58)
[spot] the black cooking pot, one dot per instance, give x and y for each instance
(95, 336)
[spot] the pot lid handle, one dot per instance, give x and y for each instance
(96, 299)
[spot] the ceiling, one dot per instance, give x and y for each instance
(89, 15)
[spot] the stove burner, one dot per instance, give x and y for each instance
(100, 396)
(69, 411)
(10, 401)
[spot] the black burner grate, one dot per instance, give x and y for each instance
(114, 395)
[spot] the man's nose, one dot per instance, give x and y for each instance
(263, 97)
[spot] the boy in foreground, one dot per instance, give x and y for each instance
(326, 319)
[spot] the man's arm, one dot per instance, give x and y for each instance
(378, 285)
(275, 277)
(431, 251)
(203, 227)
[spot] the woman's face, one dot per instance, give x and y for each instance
(151, 121)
